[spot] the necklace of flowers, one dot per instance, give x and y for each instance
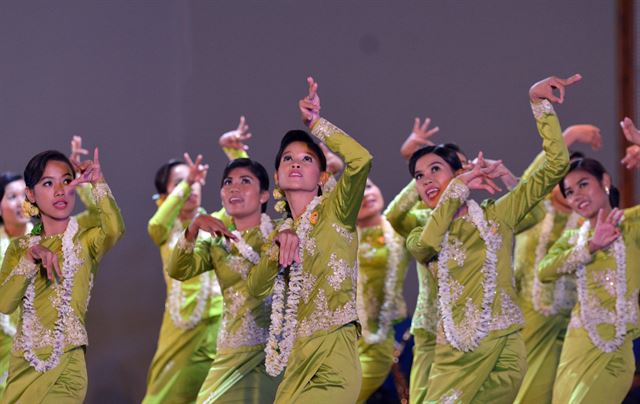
(546, 228)
(6, 326)
(284, 318)
(64, 292)
(394, 246)
(467, 340)
(266, 227)
(177, 298)
(620, 255)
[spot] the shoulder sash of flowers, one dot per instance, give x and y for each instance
(394, 246)
(64, 291)
(247, 252)
(467, 340)
(618, 249)
(284, 309)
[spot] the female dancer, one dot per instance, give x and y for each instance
(383, 262)
(237, 374)
(546, 307)
(314, 318)
(480, 354)
(187, 340)
(597, 363)
(49, 274)
(13, 223)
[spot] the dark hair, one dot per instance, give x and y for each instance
(596, 169)
(301, 136)
(455, 148)
(256, 169)
(575, 154)
(7, 178)
(35, 167)
(448, 154)
(163, 174)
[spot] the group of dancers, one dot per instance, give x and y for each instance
(531, 297)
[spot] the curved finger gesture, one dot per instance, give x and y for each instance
(48, 260)
(585, 134)
(288, 242)
(310, 105)
(197, 170)
(419, 137)
(630, 131)
(545, 89)
(235, 139)
(90, 171)
(209, 224)
(631, 158)
(77, 152)
(606, 230)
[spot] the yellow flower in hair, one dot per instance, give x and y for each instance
(29, 209)
(313, 219)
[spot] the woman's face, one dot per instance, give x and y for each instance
(11, 203)
(372, 202)
(585, 194)
(52, 193)
(432, 175)
(178, 174)
(299, 169)
(240, 193)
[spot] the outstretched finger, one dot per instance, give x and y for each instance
(425, 124)
(56, 266)
(416, 125)
(313, 87)
(187, 159)
(96, 156)
(600, 217)
(572, 79)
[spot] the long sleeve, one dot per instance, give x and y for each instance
(563, 258)
(424, 242)
(15, 275)
(346, 198)
(262, 277)
(233, 154)
(400, 211)
(190, 259)
(513, 206)
(161, 223)
(109, 223)
(532, 218)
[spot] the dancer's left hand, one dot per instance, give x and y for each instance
(90, 171)
(310, 105)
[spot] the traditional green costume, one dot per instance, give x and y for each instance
(317, 337)
(480, 355)
(52, 321)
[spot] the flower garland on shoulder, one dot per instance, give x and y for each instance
(6, 326)
(586, 311)
(266, 227)
(64, 292)
(284, 316)
(394, 245)
(467, 340)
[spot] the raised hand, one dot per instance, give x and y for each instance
(630, 131)
(197, 170)
(631, 158)
(47, 258)
(235, 139)
(288, 242)
(585, 134)
(90, 171)
(77, 152)
(544, 89)
(419, 137)
(606, 230)
(209, 224)
(499, 171)
(334, 163)
(478, 177)
(310, 105)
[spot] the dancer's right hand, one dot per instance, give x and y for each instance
(209, 224)
(288, 242)
(419, 137)
(47, 258)
(197, 170)
(606, 230)
(544, 89)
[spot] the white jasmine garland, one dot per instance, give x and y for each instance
(394, 246)
(537, 289)
(6, 327)
(284, 317)
(64, 292)
(467, 340)
(266, 227)
(587, 314)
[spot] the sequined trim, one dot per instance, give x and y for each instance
(248, 334)
(322, 318)
(324, 129)
(346, 234)
(184, 245)
(455, 190)
(340, 272)
(238, 265)
(510, 314)
(539, 109)
(24, 268)
(452, 397)
(100, 191)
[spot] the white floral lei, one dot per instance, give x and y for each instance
(64, 292)
(266, 227)
(619, 253)
(541, 250)
(284, 320)
(394, 246)
(488, 233)
(6, 326)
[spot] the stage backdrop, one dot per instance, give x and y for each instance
(149, 80)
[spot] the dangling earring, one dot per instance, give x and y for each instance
(29, 209)
(606, 189)
(281, 203)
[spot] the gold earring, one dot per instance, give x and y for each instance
(606, 189)
(29, 209)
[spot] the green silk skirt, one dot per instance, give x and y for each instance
(324, 369)
(588, 375)
(64, 384)
(424, 348)
(375, 361)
